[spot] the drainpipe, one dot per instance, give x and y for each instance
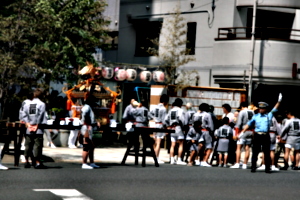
(252, 53)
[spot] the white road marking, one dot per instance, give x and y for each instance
(66, 194)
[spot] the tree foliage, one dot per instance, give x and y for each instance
(172, 52)
(40, 39)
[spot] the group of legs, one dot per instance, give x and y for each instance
(33, 151)
(186, 153)
(158, 137)
(292, 154)
(52, 134)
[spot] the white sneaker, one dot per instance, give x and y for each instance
(273, 168)
(235, 166)
(244, 166)
(86, 166)
(72, 147)
(94, 165)
(197, 162)
(2, 167)
(173, 162)
(181, 163)
(205, 164)
(22, 158)
(263, 167)
(160, 162)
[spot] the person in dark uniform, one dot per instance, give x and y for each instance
(261, 138)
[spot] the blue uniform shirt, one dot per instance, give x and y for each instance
(262, 122)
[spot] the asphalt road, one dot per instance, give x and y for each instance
(114, 181)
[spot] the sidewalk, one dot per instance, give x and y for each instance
(102, 155)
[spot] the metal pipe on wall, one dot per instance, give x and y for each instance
(252, 52)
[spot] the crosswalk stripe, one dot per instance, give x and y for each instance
(66, 194)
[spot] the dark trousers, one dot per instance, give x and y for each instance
(34, 143)
(279, 148)
(261, 143)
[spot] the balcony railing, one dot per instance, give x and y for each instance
(266, 33)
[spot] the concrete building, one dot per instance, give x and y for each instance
(220, 33)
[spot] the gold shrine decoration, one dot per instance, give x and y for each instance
(88, 69)
(83, 89)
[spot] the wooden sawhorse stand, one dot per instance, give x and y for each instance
(147, 143)
(134, 142)
(13, 131)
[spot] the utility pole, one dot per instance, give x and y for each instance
(252, 53)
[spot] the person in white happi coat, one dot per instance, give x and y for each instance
(175, 119)
(88, 122)
(246, 139)
(141, 115)
(127, 115)
(192, 138)
(292, 130)
(205, 141)
(158, 114)
(224, 135)
(190, 111)
(34, 117)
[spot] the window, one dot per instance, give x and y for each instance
(191, 38)
(145, 31)
(112, 43)
(271, 24)
(115, 36)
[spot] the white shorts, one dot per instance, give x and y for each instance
(175, 138)
(272, 147)
(295, 146)
(222, 152)
(84, 129)
(159, 135)
(208, 145)
(244, 141)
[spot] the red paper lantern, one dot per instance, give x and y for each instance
(120, 74)
(107, 72)
(145, 76)
(158, 76)
(131, 74)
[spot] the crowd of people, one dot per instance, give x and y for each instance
(33, 113)
(199, 137)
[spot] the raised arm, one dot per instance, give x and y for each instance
(279, 101)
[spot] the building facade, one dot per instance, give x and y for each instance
(220, 34)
